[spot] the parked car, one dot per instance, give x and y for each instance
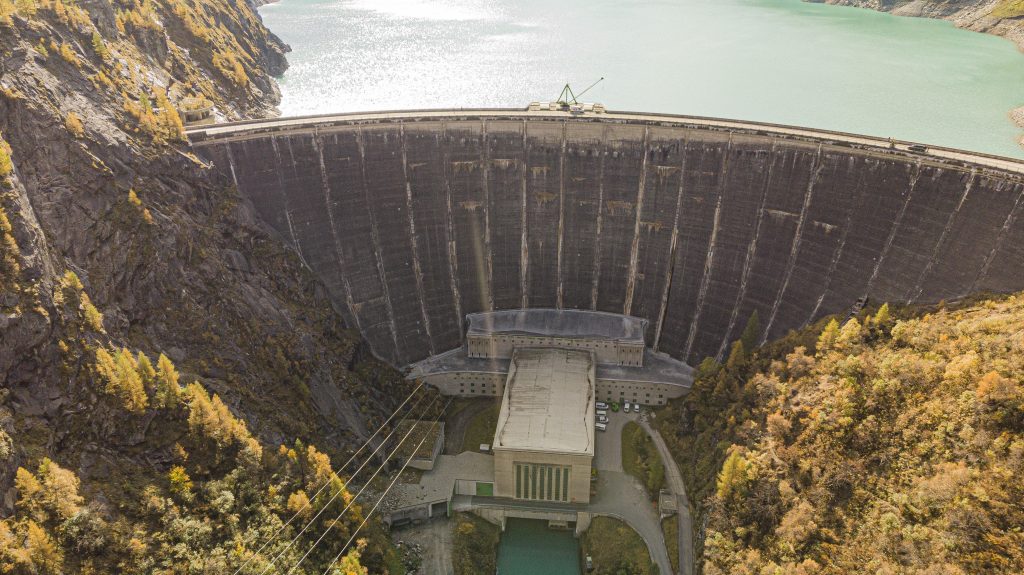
(601, 405)
(626, 407)
(602, 419)
(615, 407)
(602, 412)
(917, 148)
(601, 426)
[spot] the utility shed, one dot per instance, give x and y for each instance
(544, 442)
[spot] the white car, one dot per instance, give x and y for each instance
(636, 408)
(602, 419)
(601, 427)
(601, 405)
(626, 406)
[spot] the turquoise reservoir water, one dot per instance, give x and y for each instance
(528, 547)
(770, 60)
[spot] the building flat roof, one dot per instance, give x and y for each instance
(658, 368)
(549, 402)
(559, 323)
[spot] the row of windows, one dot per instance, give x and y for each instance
(542, 482)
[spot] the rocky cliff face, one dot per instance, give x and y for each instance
(97, 181)
(1000, 17)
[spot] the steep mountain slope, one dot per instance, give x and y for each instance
(111, 239)
(881, 446)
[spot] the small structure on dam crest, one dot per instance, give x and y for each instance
(626, 370)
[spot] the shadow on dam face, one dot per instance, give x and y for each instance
(414, 220)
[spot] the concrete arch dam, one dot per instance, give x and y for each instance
(413, 220)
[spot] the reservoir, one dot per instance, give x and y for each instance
(782, 61)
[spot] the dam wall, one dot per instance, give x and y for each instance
(413, 220)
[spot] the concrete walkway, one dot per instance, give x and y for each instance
(676, 485)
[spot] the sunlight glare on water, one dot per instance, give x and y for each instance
(779, 61)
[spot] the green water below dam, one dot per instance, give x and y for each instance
(528, 547)
(782, 61)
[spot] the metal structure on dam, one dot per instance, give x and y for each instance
(415, 219)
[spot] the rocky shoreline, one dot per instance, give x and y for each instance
(975, 15)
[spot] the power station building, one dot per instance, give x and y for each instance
(544, 441)
(625, 369)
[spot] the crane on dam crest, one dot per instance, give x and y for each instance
(568, 101)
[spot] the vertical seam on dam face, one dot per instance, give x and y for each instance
(634, 253)
(600, 219)
(417, 270)
(839, 250)
(453, 264)
(489, 285)
(338, 252)
(671, 268)
(895, 227)
(284, 198)
(1007, 224)
(561, 216)
(919, 286)
(709, 259)
(748, 258)
(524, 246)
(231, 165)
(794, 251)
(374, 235)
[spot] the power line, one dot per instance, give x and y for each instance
(377, 504)
(328, 482)
(367, 484)
(335, 496)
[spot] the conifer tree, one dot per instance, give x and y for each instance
(752, 332)
(733, 478)
(829, 336)
(168, 392)
(99, 46)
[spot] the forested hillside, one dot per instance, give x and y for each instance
(166, 364)
(881, 445)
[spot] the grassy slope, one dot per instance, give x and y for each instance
(890, 448)
(641, 460)
(475, 548)
(481, 429)
(616, 548)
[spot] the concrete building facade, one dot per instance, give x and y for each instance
(615, 339)
(544, 441)
(625, 369)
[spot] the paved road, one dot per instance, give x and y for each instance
(619, 494)
(249, 128)
(435, 537)
(675, 480)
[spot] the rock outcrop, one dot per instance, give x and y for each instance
(101, 184)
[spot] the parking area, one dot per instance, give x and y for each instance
(608, 443)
